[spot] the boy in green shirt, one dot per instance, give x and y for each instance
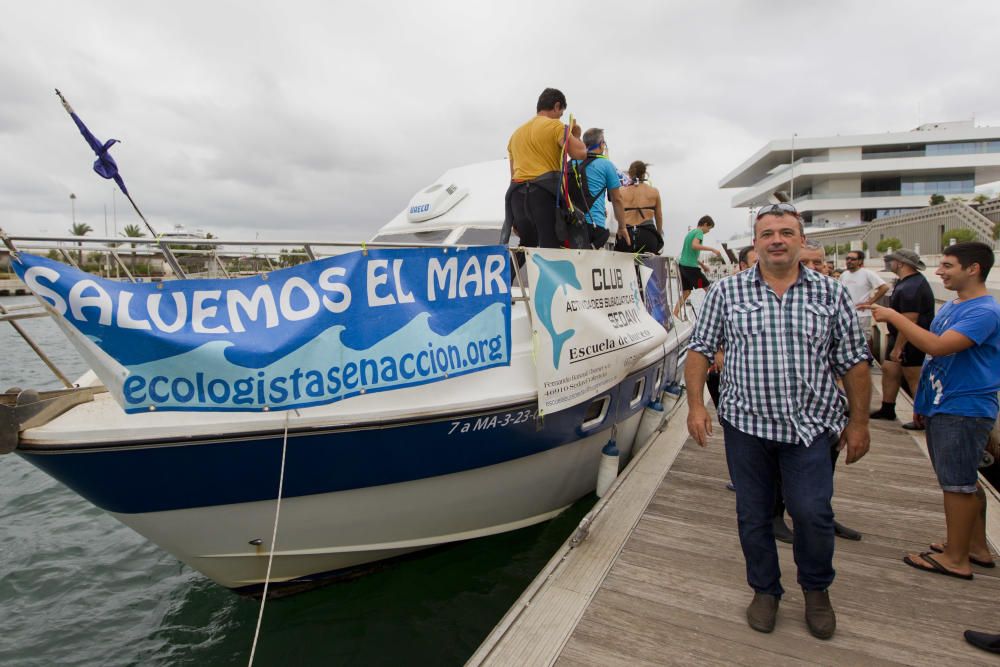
(691, 267)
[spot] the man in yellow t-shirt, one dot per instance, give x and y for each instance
(534, 150)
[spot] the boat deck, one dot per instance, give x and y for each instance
(661, 579)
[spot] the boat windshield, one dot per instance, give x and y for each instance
(435, 236)
(472, 236)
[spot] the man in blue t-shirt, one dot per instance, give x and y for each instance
(958, 398)
(602, 177)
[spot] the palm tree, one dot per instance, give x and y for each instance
(80, 229)
(133, 232)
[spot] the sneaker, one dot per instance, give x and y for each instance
(882, 413)
(731, 486)
(782, 532)
(762, 612)
(820, 618)
(913, 426)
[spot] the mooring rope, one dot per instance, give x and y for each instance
(274, 537)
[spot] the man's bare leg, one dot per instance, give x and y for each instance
(912, 376)
(680, 304)
(979, 548)
(891, 376)
(960, 512)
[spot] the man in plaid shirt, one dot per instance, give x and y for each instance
(788, 334)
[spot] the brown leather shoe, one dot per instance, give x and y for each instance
(820, 618)
(762, 612)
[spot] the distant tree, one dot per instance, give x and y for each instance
(958, 199)
(937, 199)
(80, 229)
(890, 243)
(133, 232)
(981, 198)
(960, 235)
(292, 257)
(838, 249)
(996, 230)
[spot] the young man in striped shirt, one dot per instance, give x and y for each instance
(788, 333)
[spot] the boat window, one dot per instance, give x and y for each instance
(479, 237)
(596, 412)
(637, 392)
(436, 236)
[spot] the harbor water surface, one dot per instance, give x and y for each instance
(79, 588)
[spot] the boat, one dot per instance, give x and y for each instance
(370, 478)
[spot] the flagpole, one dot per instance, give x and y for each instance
(101, 151)
(167, 254)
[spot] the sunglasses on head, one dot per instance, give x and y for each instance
(776, 209)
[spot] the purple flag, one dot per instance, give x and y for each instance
(105, 165)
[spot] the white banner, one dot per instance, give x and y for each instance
(589, 323)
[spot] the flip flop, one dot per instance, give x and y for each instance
(936, 567)
(972, 559)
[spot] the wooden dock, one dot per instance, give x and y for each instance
(660, 577)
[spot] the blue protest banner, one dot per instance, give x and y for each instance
(307, 335)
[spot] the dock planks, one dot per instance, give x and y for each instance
(673, 590)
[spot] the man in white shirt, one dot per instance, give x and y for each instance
(865, 288)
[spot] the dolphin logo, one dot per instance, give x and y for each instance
(553, 274)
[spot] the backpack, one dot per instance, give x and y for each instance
(578, 189)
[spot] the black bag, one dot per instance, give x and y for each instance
(572, 229)
(579, 188)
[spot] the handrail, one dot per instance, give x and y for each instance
(33, 345)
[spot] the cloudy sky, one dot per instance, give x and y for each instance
(320, 119)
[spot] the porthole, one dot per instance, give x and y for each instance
(637, 392)
(596, 412)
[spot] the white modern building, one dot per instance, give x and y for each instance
(851, 180)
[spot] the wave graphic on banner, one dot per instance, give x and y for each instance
(321, 371)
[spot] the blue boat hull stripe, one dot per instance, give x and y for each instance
(174, 475)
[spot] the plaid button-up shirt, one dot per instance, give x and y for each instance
(782, 355)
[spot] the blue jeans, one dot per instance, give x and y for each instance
(755, 466)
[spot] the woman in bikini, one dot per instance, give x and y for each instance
(643, 211)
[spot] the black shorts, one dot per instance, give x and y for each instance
(911, 355)
(692, 278)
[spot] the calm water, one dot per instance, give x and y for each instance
(78, 588)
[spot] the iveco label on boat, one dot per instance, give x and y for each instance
(307, 335)
(589, 320)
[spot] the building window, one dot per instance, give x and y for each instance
(880, 187)
(939, 185)
(894, 150)
(964, 148)
(885, 212)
